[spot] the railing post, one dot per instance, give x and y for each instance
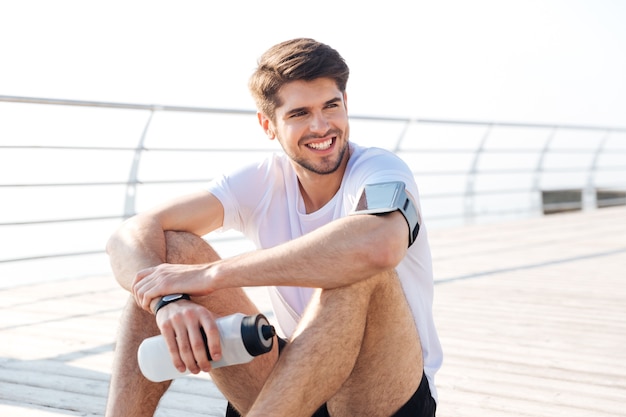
(589, 193)
(536, 186)
(401, 136)
(131, 185)
(470, 192)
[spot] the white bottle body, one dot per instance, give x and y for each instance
(156, 363)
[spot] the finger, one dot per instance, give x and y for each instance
(172, 347)
(154, 285)
(140, 292)
(143, 273)
(137, 294)
(198, 345)
(147, 302)
(185, 351)
(139, 281)
(140, 285)
(146, 291)
(212, 335)
(153, 305)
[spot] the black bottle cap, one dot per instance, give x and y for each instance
(257, 334)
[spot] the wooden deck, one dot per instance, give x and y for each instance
(531, 314)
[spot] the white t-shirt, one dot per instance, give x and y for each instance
(263, 201)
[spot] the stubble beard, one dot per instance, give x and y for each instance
(328, 165)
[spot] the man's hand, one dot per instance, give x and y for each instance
(180, 324)
(150, 284)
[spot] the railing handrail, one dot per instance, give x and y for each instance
(222, 110)
(469, 194)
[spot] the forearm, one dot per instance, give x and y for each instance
(338, 254)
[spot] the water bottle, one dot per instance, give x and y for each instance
(241, 338)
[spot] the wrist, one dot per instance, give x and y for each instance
(168, 299)
(216, 276)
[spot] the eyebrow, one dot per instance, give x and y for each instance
(299, 109)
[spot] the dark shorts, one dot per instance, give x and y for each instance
(421, 404)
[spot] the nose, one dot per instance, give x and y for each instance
(319, 123)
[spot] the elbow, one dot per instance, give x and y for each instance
(386, 253)
(385, 241)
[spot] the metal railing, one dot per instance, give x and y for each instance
(134, 154)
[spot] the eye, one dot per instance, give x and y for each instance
(297, 114)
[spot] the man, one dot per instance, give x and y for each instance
(351, 290)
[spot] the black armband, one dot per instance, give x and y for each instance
(387, 197)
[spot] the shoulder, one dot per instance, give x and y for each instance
(250, 180)
(371, 165)
(370, 160)
(257, 171)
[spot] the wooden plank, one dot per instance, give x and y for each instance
(531, 315)
(56, 385)
(544, 338)
(20, 409)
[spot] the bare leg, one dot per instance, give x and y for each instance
(356, 347)
(130, 394)
(390, 362)
(126, 380)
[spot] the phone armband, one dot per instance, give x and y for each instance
(387, 197)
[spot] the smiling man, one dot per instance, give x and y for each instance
(339, 245)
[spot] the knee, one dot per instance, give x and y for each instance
(380, 280)
(365, 288)
(387, 277)
(187, 248)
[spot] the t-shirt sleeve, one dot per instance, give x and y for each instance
(219, 187)
(241, 193)
(378, 165)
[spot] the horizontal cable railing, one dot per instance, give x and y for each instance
(124, 157)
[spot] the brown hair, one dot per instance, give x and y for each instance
(296, 59)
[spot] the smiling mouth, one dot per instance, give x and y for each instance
(321, 146)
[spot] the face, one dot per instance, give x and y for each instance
(311, 125)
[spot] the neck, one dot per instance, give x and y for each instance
(319, 189)
(318, 192)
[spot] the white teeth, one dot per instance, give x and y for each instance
(322, 145)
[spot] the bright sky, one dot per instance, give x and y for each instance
(561, 61)
(548, 61)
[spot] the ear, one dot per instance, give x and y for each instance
(266, 125)
(345, 101)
